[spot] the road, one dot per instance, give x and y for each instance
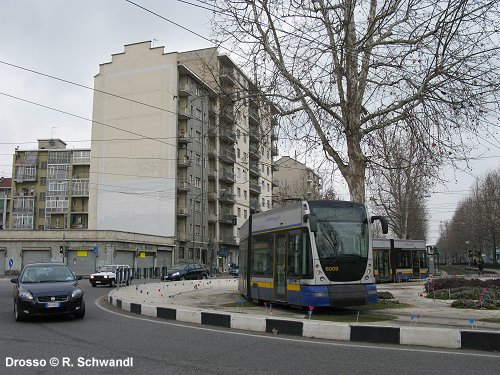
(170, 348)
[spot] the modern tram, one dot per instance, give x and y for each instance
(400, 260)
(309, 253)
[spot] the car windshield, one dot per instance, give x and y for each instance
(180, 267)
(107, 269)
(47, 274)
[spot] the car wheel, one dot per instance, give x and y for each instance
(182, 278)
(93, 285)
(80, 314)
(127, 283)
(113, 283)
(204, 276)
(18, 315)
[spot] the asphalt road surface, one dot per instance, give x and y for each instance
(66, 345)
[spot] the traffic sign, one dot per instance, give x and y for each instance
(11, 262)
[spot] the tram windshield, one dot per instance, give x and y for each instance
(342, 231)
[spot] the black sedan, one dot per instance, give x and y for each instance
(184, 271)
(47, 289)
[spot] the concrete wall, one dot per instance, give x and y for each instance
(133, 176)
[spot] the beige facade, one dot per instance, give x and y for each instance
(50, 188)
(187, 156)
(294, 180)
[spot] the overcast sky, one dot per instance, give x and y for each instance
(68, 39)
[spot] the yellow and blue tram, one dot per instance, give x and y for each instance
(400, 260)
(309, 253)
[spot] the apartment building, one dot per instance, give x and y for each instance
(50, 187)
(294, 180)
(183, 149)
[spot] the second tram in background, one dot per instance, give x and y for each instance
(400, 260)
(309, 253)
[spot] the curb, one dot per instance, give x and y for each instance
(419, 336)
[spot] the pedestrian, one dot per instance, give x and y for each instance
(480, 267)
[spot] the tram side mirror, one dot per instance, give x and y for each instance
(383, 222)
(313, 222)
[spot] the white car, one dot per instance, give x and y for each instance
(106, 275)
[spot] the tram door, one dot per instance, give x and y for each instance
(416, 264)
(382, 257)
(280, 268)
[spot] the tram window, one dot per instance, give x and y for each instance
(307, 264)
(423, 259)
(262, 255)
(243, 256)
(294, 253)
(403, 259)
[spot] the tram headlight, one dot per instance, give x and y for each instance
(318, 272)
(369, 271)
(367, 277)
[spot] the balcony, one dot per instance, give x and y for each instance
(182, 211)
(255, 135)
(254, 169)
(184, 89)
(253, 152)
(254, 207)
(212, 217)
(254, 187)
(183, 138)
(227, 114)
(212, 196)
(79, 188)
(227, 134)
(183, 162)
(183, 186)
(183, 113)
(181, 236)
(227, 76)
(212, 154)
(227, 218)
(228, 240)
(228, 155)
(25, 173)
(226, 197)
(274, 151)
(23, 205)
(212, 129)
(227, 176)
(212, 174)
(253, 116)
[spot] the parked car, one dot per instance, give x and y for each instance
(47, 289)
(107, 275)
(184, 271)
(234, 271)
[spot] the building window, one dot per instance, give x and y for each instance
(268, 204)
(244, 137)
(268, 187)
(197, 182)
(245, 194)
(238, 135)
(245, 214)
(181, 252)
(268, 171)
(197, 230)
(197, 206)
(43, 181)
(244, 156)
(238, 152)
(239, 212)
(198, 159)
(238, 170)
(198, 113)
(239, 189)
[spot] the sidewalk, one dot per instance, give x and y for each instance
(217, 293)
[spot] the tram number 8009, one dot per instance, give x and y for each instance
(332, 269)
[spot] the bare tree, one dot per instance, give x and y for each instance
(400, 179)
(474, 228)
(346, 69)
